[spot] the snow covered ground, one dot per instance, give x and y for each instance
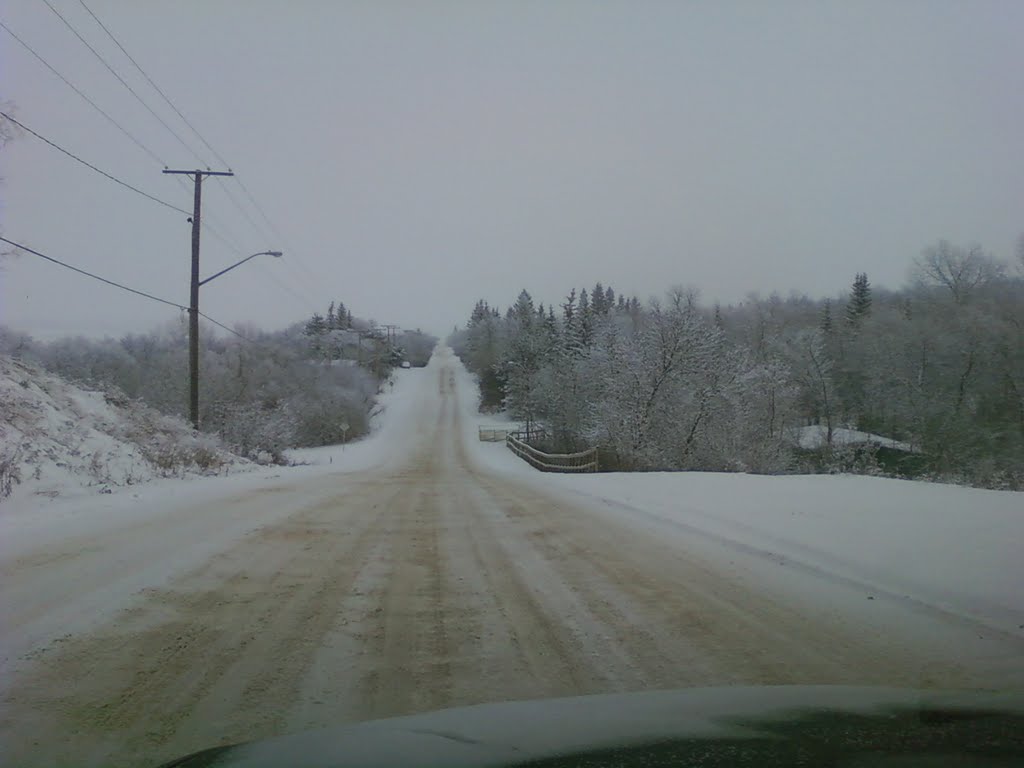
(77, 449)
(64, 440)
(938, 546)
(143, 535)
(422, 568)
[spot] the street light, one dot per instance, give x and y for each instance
(275, 254)
(193, 329)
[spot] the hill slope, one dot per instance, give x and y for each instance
(58, 439)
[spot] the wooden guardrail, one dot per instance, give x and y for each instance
(584, 461)
(494, 434)
(498, 434)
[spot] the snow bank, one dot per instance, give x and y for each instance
(957, 548)
(59, 439)
(931, 545)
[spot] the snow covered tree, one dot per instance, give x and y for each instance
(859, 305)
(961, 271)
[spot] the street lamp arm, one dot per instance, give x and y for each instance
(275, 254)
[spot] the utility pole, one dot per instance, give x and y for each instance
(391, 342)
(193, 307)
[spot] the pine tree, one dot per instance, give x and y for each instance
(332, 320)
(316, 325)
(597, 304)
(826, 318)
(343, 318)
(586, 319)
(609, 299)
(315, 329)
(859, 305)
(480, 311)
(569, 309)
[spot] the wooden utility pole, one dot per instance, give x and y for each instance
(193, 306)
(391, 339)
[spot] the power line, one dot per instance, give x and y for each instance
(124, 83)
(245, 189)
(149, 80)
(231, 197)
(89, 165)
(91, 103)
(150, 296)
(90, 274)
(245, 213)
(226, 328)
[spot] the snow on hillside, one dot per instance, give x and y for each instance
(59, 439)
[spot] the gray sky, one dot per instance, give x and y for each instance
(418, 156)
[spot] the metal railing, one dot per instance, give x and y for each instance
(584, 461)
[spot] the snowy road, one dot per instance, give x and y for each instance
(427, 578)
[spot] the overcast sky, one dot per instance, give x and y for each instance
(414, 157)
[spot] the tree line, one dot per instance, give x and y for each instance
(673, 384)
(339, 336)
(262, 394)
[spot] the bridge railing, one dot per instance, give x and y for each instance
(583, 461)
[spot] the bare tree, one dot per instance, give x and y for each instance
(959, 270)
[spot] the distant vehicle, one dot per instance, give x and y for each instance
(770, 727)
(406, 364)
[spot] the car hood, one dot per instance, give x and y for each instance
(773, 725)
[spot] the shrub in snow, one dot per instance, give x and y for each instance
(55, 436)
(10, 471)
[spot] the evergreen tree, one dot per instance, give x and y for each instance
(859, 305)
(316, 325)
(597, 305)
(586, 320)
(609, 299)
(826, 318)
(332, 321)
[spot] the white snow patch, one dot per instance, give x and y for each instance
(816, 436)
(65, 440)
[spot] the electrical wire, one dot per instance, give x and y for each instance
(93, 276)
(228, 329)
(89, 165)
(305, 300)
(123, 287)
(91, 103)
(244, 187)
(156, 88)
(241, 209)
(124, 83)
